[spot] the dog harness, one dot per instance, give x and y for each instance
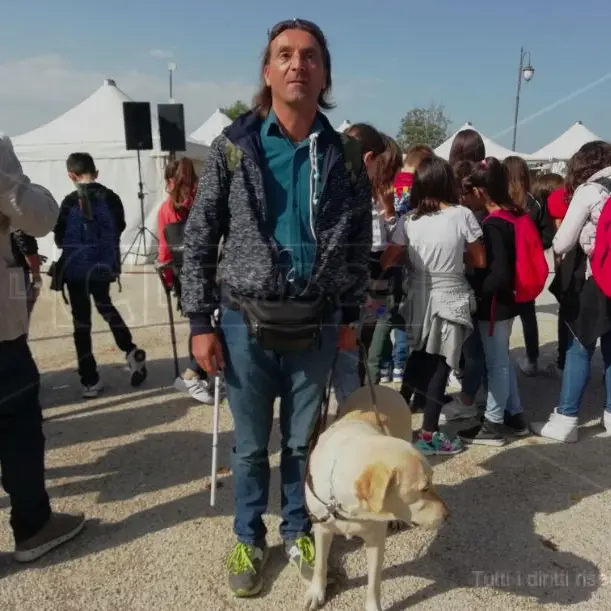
(332, 507)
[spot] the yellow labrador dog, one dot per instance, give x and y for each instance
(363, 473)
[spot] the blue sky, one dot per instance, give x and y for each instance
(387, 58)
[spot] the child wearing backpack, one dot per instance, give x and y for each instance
(511, 240)
(88, 231)
(581, 286)
(181, 183)
(519, 181)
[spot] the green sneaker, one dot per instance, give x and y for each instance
(301, 553)
(439, 445)
(245, 564)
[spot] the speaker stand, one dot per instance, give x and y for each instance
(140, 237)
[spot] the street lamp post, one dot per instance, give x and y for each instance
(525, 73)
(171, 69)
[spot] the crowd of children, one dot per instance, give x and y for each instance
(454, 246)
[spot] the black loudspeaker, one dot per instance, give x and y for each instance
(137, 122)
(172, 127)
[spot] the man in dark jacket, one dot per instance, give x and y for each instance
(294, 214)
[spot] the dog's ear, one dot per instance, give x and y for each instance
(372, 486)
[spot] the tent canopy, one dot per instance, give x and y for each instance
(567, 144)
(211, 128)
(493, 149)
(94, 125)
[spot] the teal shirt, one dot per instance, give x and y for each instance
(286, 177)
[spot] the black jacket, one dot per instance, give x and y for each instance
(539, 214)
(496, 281)
(230, 205)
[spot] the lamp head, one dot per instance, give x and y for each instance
(171, 66)
(528, 73)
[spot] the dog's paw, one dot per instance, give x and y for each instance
(314, 598)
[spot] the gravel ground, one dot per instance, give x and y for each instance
(525, 532)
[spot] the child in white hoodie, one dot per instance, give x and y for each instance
(589, 187)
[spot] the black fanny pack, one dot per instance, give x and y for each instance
(287, 325)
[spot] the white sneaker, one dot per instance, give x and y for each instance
(457, 410)
(136, 361)
(196, 388)
(454, 383)
(397, 375)
(606, 421)
(93, 391)
(385, 377)
(526, 367)
(558, 427)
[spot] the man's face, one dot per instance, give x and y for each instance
(295, 72)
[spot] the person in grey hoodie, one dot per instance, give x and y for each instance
(36, 529)
(586, 309)
(292, 206)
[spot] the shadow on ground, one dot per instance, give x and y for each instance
(492, 539)
(61, 388)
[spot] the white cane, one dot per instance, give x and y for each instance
(215, 424)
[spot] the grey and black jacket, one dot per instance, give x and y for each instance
(230, 207)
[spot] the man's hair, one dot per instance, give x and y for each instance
(416, 154)
(263, 98)
(80, 164)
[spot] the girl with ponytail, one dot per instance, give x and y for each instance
(487, 187)
(181, 184)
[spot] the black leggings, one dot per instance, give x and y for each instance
(426, 374)
(530, 329)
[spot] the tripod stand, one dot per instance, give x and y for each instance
(140, 238)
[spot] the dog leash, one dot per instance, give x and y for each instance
(374, 403)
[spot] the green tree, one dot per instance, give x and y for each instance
(424, 126)
(236, 109)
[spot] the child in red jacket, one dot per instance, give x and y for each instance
(181, 184)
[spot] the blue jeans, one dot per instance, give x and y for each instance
(399, 351)
(475, 363)
(503, 393)
(391, 355)
(346, 377)
(577, 374)
(254, 378)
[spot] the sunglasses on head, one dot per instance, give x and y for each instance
(291, 24)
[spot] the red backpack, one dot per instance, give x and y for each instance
(532, 269)
(600, 261)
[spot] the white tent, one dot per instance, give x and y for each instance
(211, 128)
(96, 126)
(345, 124)
(567, 144)
(493, 149)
